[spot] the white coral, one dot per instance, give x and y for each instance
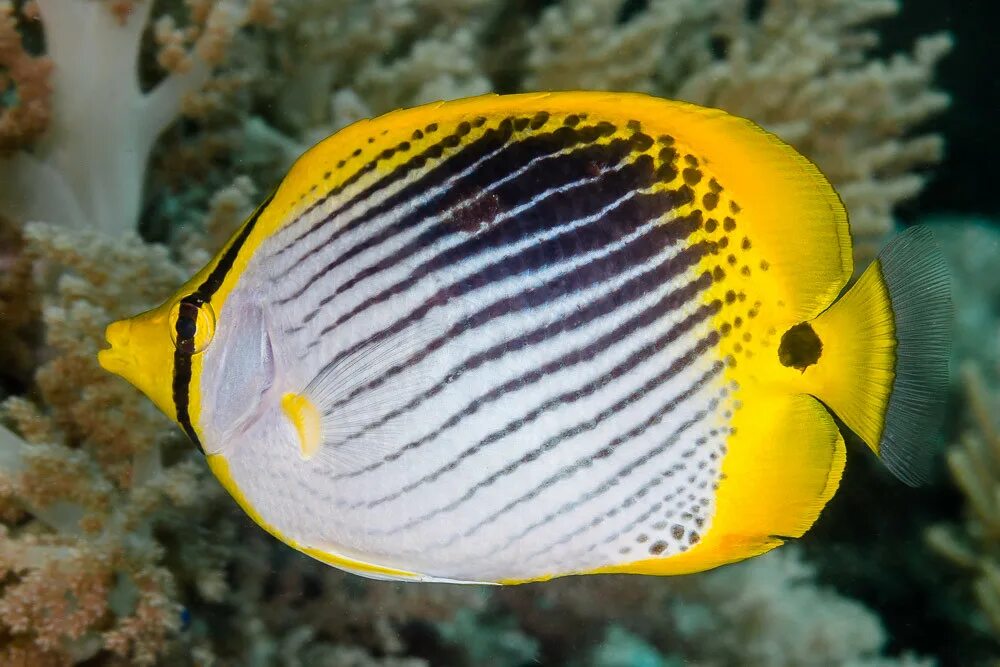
(89, 170)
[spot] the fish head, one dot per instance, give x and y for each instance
(144, 349)
(141, 351)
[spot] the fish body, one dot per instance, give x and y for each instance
(515, 337)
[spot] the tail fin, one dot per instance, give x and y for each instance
(886, 348)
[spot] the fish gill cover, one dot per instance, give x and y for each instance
(136, 135)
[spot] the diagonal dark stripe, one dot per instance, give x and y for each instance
(590, 274)
(493, 140)
(433, 152)
(603, 488)
(588, 425)
(614, 511)
(627, 293)
(493, 144)
(637, 357)
(561, 207)
(481, 203)
(497, 158)
(634, 211)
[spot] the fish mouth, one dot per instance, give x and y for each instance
(115, 358)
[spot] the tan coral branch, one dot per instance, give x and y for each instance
(25, 91)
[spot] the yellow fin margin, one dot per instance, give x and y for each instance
(784, 464)
(220, 468)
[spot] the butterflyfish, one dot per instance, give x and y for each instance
(509, 338)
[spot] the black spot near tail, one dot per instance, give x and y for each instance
(800, 347)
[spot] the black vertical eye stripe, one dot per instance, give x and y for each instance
(184, 350)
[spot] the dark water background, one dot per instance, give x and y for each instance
(965, 181)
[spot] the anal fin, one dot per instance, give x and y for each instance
(783, 464)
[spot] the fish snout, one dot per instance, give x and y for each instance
(141, 351)
(118, 357)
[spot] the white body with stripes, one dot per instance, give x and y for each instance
(486, 473)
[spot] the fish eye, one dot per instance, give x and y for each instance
(192, 325)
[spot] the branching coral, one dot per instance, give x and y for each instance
(767, 611)
(801, 69)
(975, 466)
(24, 87)
(350, 59)
(87, 479)
(89, 170)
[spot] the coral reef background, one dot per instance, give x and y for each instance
(136, 134)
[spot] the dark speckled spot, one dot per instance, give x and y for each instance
(540, 119)
(605, 128)
(692, 176)
(658, 548)
(666, 173)
(641, 142)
